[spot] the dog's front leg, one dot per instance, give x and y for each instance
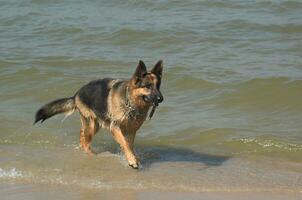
(125, 146)
(130, 138)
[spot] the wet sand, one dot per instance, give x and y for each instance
(215, 186)
(47, 192)
(166, 174)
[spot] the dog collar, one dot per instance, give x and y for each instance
(132, 109)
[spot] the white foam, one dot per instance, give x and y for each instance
(11, 173)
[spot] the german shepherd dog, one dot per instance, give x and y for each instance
(119, 105)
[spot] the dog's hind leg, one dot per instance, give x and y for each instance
(88, 130)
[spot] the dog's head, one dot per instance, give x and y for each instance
(146, 85)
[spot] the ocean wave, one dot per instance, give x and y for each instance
(273, 93)
(11, 173)
(264, 145)
(241, 24)
(270, 144)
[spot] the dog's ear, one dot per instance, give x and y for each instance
(158, 68)
(140, 71)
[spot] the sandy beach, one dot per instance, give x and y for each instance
(47, 192)
(166, 174)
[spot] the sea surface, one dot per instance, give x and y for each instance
(232, 82)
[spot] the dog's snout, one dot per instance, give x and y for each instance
(160, 98)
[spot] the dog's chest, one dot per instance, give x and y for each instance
(133, 122)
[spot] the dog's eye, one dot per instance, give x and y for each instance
(148, 86)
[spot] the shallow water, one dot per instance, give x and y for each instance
(232, 87)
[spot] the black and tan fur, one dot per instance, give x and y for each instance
(118, 105)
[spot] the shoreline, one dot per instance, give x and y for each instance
(186, 177)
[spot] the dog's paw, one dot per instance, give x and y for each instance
(134, 166)
(134, 163)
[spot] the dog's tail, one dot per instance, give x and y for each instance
(65, 105)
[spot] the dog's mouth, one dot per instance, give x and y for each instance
(153, 101)
(147, 99)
